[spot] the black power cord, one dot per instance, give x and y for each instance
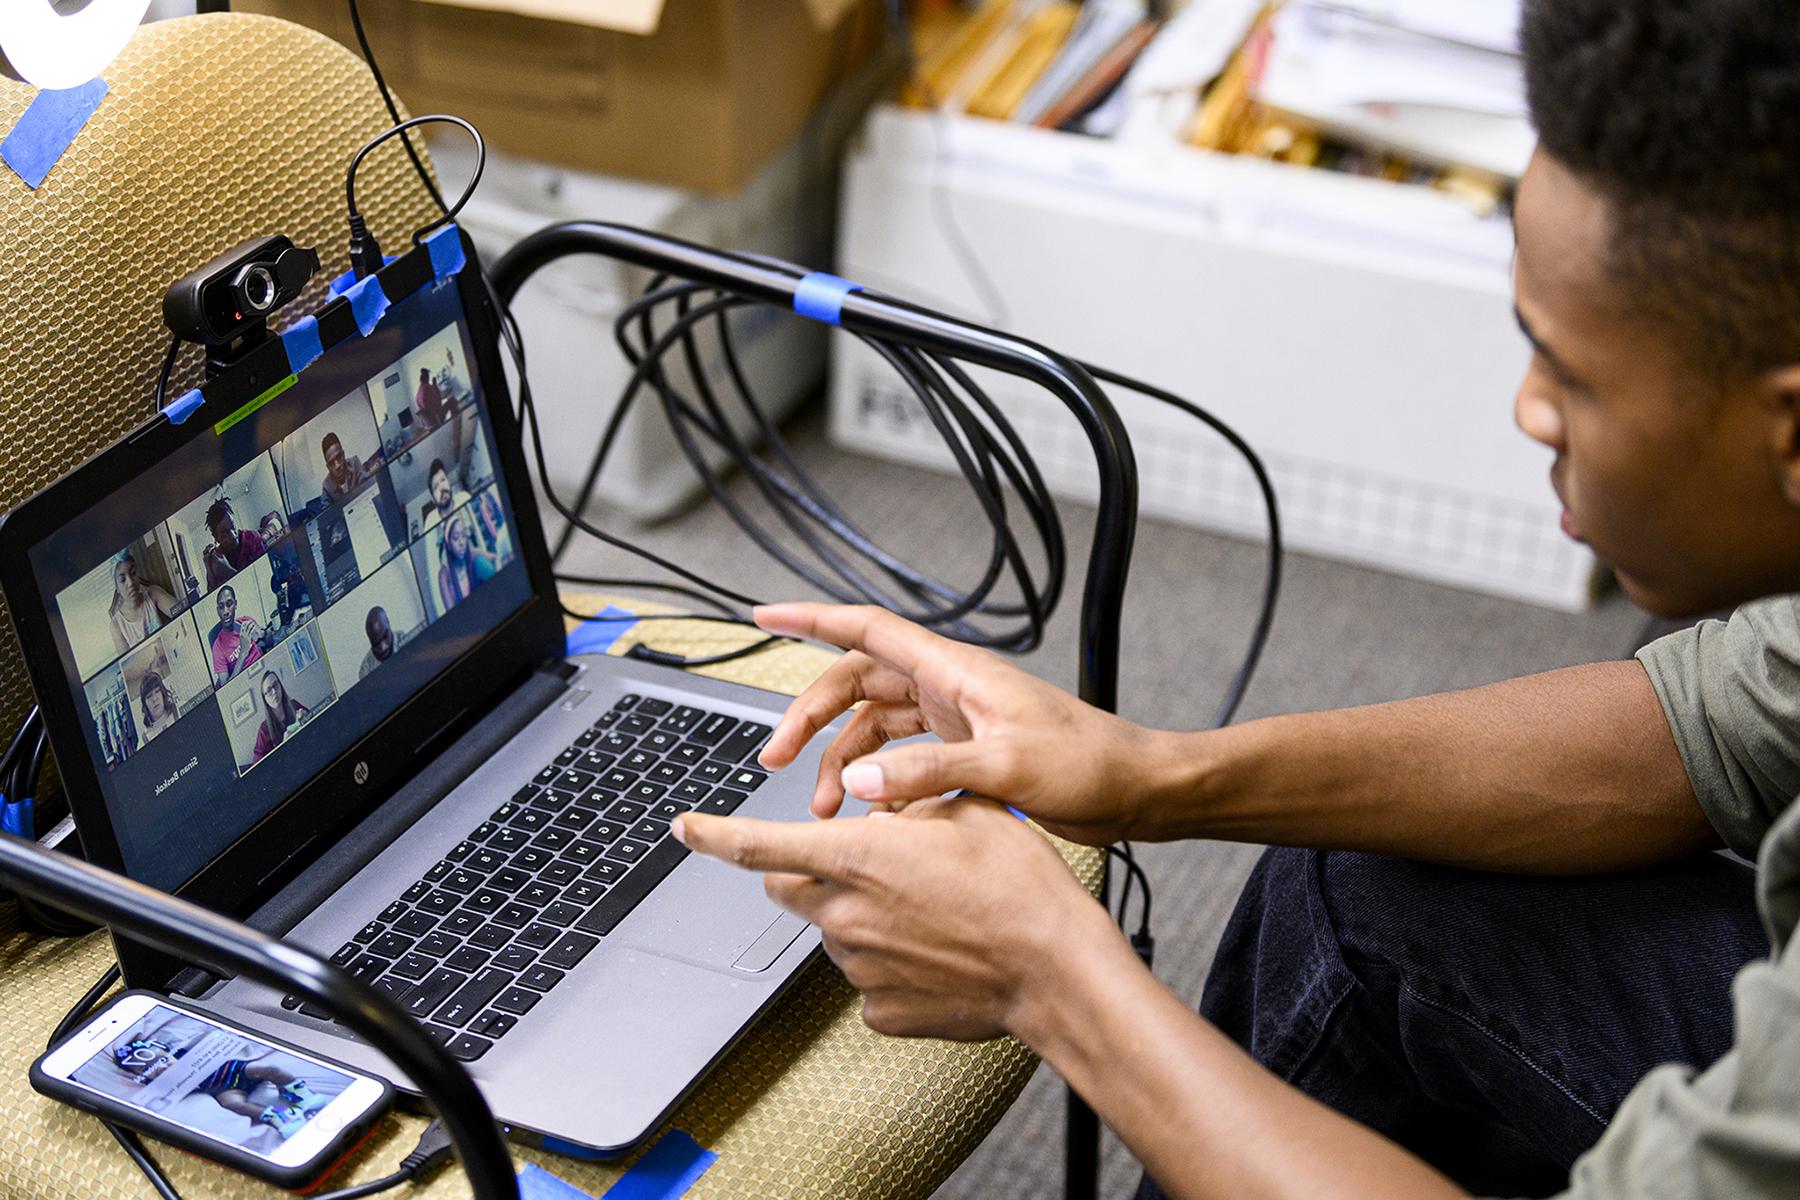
(432, 1151)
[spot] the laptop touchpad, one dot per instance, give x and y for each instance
(718, 916)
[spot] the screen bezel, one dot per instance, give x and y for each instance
(287, 838)
(365, 1093)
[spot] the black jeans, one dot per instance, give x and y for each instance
(1489, 1023)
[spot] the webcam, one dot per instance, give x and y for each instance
(225, 305)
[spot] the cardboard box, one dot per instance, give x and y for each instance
(694, 93)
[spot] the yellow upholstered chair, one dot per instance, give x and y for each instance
(222, 127)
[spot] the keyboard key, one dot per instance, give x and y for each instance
(468, 958)
(460, 851)
(463, 881)
(625, 895)
(628, 700)
(516, 1000)
(531, 820)
(560, 873)
(649, 831)
(491, 936)
(567, 757)
(596, 761)
(626, 811)
(514, 958)
(617, 779)
(541, 978)
(392, 986)
(485, 860)
(561, 913)
(603, 831)
(683, 719)
(390, 945)
(462, 923)
(747, 780)
(439, 902)
(391, 913)
(509, 839)
(346, 954)
(547, 776)
(537, 894)
(639, 761)
(467, 1047)
(668, 810)
(508, 879)
(432, 991)
(554, 838)
(487, 902)
(616, 743)
(482, 832)
(667, 773)
(581, 853)
(605, 871)
(524, 794)
(587, 739)
(438, 872)
(650, 706)
(607, 721)
(584, 892)
(290, 1002)
(474, 996)
(552, 800)
(722, 802)
(506, 812)
(538, 936)
(412, 894)
(416, 923)
(436, 945)
(575, 817)
(574, 780)
(743, 743)
(691, 791)
(492, 1024)
(711, 771)
(714, 729)
(570, 949)
(688, 753)
(598, 799)
(660, 741)
(414, 966)
(515, 915)
(646, 793)
(442, 1035)
(371, 931)
(532, 858)
(635, 724)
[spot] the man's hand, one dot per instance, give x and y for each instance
(1077, 771)
(945, 916)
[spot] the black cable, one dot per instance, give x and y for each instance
(162, 379)
(387, 98)
(365, 253)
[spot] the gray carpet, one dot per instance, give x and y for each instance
(1344, 635)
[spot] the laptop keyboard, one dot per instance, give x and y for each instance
(472, 946)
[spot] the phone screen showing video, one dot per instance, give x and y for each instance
(215, 1081)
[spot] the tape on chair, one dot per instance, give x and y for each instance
(597, 634)
(48, 127)
(820, 296)
(302, 343)
(535, 1183)
(667, 1169)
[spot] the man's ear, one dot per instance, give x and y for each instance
(1781, 391)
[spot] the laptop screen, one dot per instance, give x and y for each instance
(235, 618)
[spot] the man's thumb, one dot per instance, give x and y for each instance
(927, 769)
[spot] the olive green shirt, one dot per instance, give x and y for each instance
(1731, 691)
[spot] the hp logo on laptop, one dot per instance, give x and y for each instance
(361, 773)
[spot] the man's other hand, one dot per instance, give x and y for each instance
(945, 916)
(1078, 771)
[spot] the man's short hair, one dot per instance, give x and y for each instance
(1686, 116)
(437, 466)
(216, 512)
(330, 439)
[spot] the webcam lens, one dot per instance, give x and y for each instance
(257, 288)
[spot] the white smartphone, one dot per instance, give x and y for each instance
(244, 1099)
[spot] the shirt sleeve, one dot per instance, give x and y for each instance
(1731, 693)
(1732, 1130)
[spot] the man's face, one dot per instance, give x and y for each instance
(381, 634)
(1671, 478)
(224, 531)
(227, 606)
(440, 488)
(334, 459)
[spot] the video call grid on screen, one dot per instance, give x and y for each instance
(337, 529)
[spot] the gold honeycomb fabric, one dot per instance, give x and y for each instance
(216, 129)
(812, 1103)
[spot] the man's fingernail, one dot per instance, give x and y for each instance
(679, 830)
(862, 779)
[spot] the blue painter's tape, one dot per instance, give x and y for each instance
(596, 634)
(535, 1183)
(821, 296)
(367, 303)
(667, 1169)
(183, 406)
(446, 250)
(48, 127)
(343, 282)
(302, 344)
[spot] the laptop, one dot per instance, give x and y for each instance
(302, 661)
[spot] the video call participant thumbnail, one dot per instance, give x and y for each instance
(235, 639)
(231, 549)
(139, 606)
(266, 705)
(371, 625)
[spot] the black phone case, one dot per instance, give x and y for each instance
(298, 1178)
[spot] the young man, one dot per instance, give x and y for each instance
(1515, 918)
